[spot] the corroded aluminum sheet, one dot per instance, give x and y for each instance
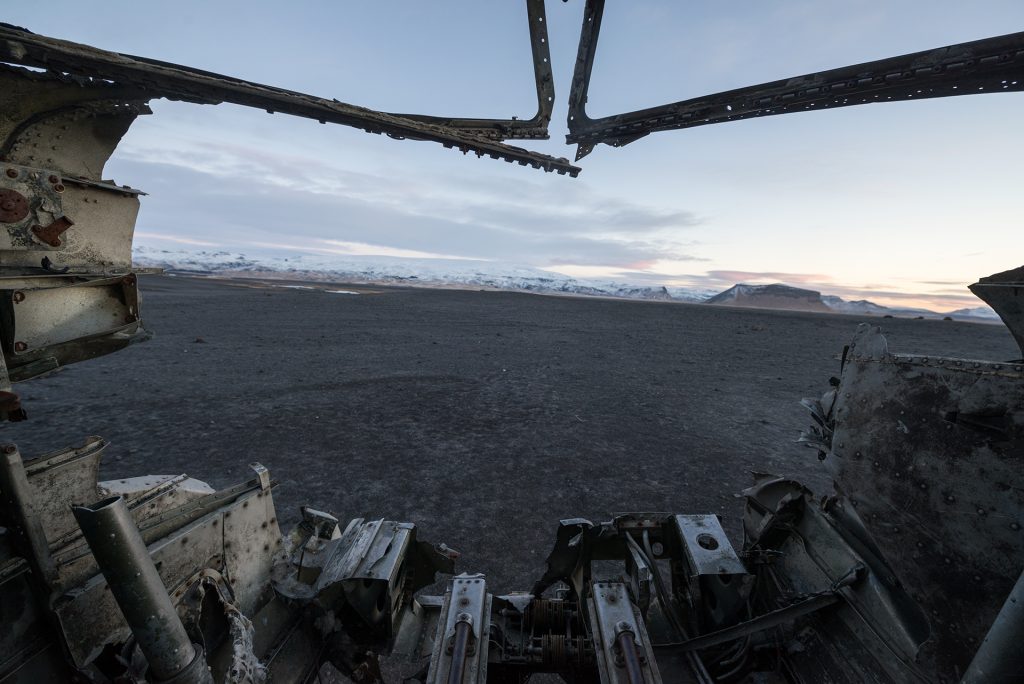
(930, 453)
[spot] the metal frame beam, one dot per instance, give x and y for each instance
(982, 66)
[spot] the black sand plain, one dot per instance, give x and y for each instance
(483, 417)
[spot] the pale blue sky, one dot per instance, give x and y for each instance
(916, 197)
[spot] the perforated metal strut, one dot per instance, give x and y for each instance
(982, 66)
(176, 82)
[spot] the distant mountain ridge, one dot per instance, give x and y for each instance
(460, 273)
(775, 296)
(467, 273)
(789, 298)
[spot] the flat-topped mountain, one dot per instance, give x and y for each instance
(776, 296)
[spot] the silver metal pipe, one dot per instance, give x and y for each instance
(1000, 657)
(123, 558)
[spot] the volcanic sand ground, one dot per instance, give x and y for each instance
(483, 417)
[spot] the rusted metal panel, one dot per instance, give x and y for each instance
(46, 317)
(930, 453)
(137, 587)
(61, 478)
(89, 616)
(1004, 292)
(252, 544)
(99, 241)
(31, 208)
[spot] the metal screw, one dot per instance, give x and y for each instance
(20, 346)
(59, 187)
(12, 173)
(18, 296)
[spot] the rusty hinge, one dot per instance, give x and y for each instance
(51, 233)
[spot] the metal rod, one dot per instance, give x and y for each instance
(123, 558)
(17, 497)
(1000, 657)
(758, 624)
(634, 672)
(459, 650)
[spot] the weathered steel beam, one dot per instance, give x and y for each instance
(535, 127)
(176, 82)
(982, 66)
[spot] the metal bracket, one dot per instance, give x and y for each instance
(623, 648)
(460, 646)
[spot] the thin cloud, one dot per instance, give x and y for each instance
(248, 200)
(766, 276)
(176, 238)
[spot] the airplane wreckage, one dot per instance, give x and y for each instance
(910, 571)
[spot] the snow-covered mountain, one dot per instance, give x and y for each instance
(976, 312)
(403, 271)
(857, 306)
(467, 273)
